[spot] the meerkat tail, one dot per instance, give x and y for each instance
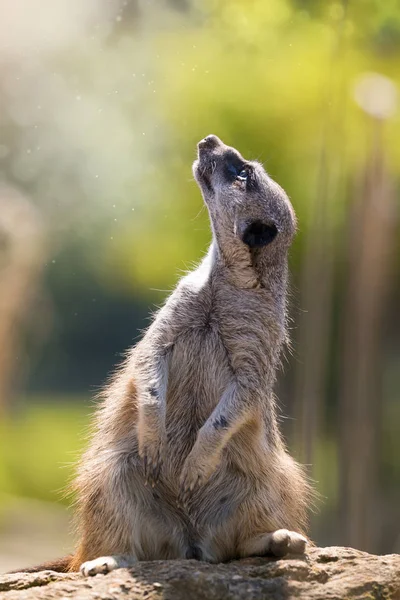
(60, 565)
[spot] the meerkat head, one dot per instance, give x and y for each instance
(247, 208)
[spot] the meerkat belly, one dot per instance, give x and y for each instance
(199, 373)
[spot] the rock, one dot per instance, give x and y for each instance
(323, 574)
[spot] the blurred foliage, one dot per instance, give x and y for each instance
(262, 75)
(40, 446)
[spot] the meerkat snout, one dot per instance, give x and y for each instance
(210, 141)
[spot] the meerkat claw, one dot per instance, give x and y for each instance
(189, 485)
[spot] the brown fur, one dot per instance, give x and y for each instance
(186, 458)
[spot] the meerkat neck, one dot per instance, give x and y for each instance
(249, 270)
(234, 263)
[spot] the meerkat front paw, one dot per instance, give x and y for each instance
(151, 452)
(195, 473)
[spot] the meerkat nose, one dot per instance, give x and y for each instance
(209, 142)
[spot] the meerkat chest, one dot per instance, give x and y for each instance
(252, 328)
(199, 373)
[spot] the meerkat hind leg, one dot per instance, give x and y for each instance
(105, 564)
(276, 543)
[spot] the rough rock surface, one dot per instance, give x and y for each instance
(324, 573)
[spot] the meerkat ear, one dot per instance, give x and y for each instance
(259, 234)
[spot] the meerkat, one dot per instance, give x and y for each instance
(186, 458)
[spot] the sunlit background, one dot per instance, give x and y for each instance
(101, 106)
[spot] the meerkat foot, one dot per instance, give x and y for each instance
(277, 543)
(284, 542)
(298, 543)
(105, 564)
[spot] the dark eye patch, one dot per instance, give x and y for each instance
(232, 170)
(233, 164)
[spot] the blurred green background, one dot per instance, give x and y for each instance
(101, 106)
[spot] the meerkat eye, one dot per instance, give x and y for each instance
(242, 175)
